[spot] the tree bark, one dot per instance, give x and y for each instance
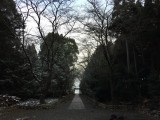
(106, 54)
(46, 87)
(127, 52)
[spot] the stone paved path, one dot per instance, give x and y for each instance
(78, 108)
(77, 103)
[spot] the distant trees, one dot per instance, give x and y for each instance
(134, 54)
(96, 78)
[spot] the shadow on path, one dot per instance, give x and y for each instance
(74, 108)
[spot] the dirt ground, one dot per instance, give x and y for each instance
(74, 108)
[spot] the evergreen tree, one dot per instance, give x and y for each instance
(96, 77)
(136, 28)
(63, 54)
(13, 68)
(135, 55)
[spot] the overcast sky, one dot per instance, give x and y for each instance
(31, 26)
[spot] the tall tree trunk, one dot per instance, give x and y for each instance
(45, 88)
(136, 72)
(107, 57)
(128, 60)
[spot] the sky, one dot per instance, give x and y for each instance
(78, 4)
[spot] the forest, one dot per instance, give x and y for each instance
(125, 65)
(121, 58)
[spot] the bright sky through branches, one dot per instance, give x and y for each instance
(31, 26)
(79, 6)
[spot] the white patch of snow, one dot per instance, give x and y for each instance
(24, 118)
(31, 103)
(35, 102)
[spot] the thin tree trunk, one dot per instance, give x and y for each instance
(128, 60)
(45, 88)
(106, 54)
(136, 72)
(42, 98)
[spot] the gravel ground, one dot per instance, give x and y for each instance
(63, 111)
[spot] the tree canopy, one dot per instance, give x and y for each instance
(134, 56)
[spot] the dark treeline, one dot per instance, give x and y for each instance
(127, 69)
(23, 71)
(134, 56)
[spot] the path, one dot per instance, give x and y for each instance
(76, 103)
(78, 108)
